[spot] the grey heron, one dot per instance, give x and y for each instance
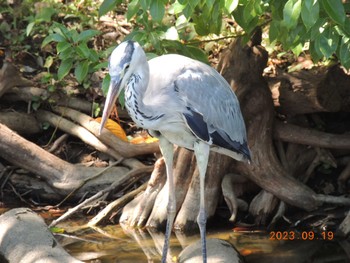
(182, 102)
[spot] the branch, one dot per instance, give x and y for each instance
(123, 148)
(296, 134)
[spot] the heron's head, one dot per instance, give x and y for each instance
(122, 63)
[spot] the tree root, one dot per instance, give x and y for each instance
(344, 228)
(295, 134)
(115, 205)
(61, 176)
(125, 149)
(22, 123)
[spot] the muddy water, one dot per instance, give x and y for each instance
(113, 244)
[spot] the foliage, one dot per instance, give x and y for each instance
(319, 26)
(73, 51)
(26, 25)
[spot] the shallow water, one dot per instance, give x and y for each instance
(113, 244)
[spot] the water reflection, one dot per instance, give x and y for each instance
(113, 244)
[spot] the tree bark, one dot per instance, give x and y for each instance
(321, 89)
(61, 176)
(22, 123)
(258, 111)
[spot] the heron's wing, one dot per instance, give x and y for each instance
(212, 110)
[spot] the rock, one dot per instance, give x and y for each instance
(25, 238)
(218, 250)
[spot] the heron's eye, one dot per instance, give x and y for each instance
(126, 67)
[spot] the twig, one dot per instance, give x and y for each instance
(58, 142)
(7, 168)
(120, 202)
(71, 211)
(214, 39)
(18, 194)
(336, 200)
(345, 174)
(89, 179)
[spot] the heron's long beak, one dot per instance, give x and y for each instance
(112, 95)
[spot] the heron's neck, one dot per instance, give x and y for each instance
(134, 94)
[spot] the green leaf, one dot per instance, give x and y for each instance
(87, 34)
(231, 5)
(62, 46)
(66, 54)
(310, 12)
(108, 5)
(121, 98)
(52, 37)
(344, 52)
(100, 65)
(36, 105)
(62, 30)
(297, 49)
(157, 10)
(105, 84)
(58, 38)
(247, 22)
(327, 42)
(74, 35)
(133, 8)
(315, 51)
(335, 10)
(315, 30)
(29, 28)
(93, 57)
(81, 70)
(188, 11)
(154, 39)
(96, 109)
(136, 35)
(64, 68)
(48, 62)
(249, 11)
(291, 13)
(145, 4)
(45, 14)
(198, 54)
(83, 50)
(176, 8)
(274, 31)
(57, 230)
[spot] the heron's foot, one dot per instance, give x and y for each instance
(202, 221)
(171, 211)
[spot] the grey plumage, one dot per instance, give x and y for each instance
(182, 101)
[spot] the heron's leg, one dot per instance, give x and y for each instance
(167, 150)
(202, 150)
